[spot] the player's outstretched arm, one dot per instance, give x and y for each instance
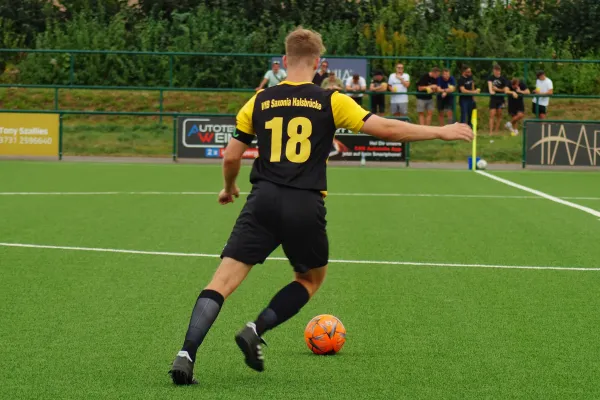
(232, 162)
(399, 131)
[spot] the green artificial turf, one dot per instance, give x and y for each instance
(101, 325)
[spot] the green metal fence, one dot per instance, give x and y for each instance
(162, 90)
(72, 54)
(171, 57)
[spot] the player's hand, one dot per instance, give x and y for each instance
(226, 197)
(456, 131)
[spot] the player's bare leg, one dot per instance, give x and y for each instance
(286, 303)
(429, 117)
(226, 279)
(515, 121)
(491, 121)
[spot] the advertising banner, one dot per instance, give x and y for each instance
(350, 146)
(569, 143)
(206, 137)
(29, 134)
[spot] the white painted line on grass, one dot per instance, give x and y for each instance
(541, 194)
(331, 194)
(371, 262)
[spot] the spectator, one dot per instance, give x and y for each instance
(446, 85)
(332, 82)
(356, 85)
(399, 83)
(516, 105)
(497, 84)
(543, 85)
(273, 76)
(466, 85)
(321, 74)
(378, 84)
(427, 85)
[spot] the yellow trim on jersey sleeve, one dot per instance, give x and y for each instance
(243, 120)
(347, 113)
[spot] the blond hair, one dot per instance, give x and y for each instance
(303, 45)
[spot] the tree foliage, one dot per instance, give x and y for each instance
(467, 28)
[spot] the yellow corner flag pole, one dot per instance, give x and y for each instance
(474, 153)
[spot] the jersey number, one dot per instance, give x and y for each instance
(297, 149)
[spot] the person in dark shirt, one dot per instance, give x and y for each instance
(427, 85)
(445, 101)
(378, 84)
(497, 84)
(466, 86)
(321, 74)
(516, 105)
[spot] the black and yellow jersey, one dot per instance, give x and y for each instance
(295, 124)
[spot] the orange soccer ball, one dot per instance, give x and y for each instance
(325, 334)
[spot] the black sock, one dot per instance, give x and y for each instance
(205, 313)
(286, 303)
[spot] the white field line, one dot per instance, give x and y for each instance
(541, 194)
(369, 262)
(157, 193)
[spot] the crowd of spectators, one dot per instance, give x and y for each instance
(438, 84)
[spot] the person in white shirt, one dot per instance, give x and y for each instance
(543, 85)
(399, 83)
(355, 85)
(273, 76)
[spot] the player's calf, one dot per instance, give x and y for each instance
(227, 278)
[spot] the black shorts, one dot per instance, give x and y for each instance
(444, 104)
(279, 215)
(377, 104)
(496, 102)
(543, 109)
(516, 106)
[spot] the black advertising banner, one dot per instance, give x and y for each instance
(569, 143)
(349, 146)
(207, 137)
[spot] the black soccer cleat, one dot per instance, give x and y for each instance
(182, 371)
(251, 345)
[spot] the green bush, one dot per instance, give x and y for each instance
(468, 28)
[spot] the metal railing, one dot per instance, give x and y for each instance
(161, 91)
(447, 60)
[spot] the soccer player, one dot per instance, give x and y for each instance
(497, 84)
(294, 123)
